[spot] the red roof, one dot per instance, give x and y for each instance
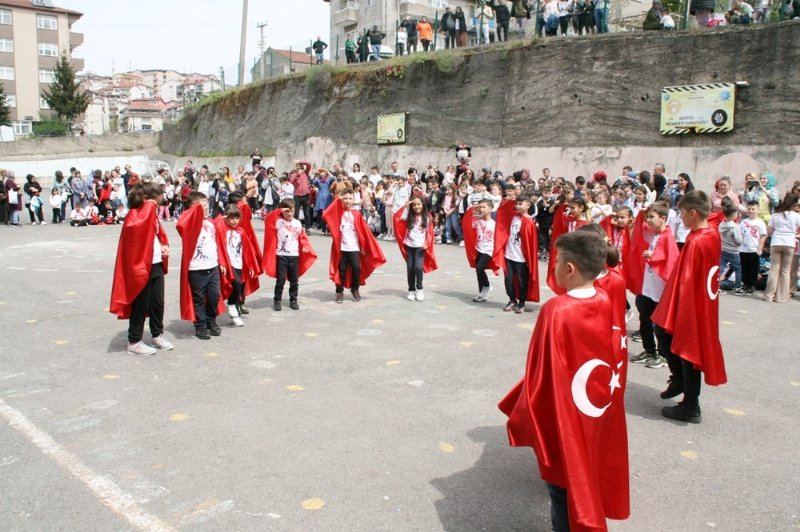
(26, 4)
(296, 57)
(150, 104)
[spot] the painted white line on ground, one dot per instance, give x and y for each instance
(110, 494)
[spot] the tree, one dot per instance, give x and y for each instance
(64, 96)
(5, 112)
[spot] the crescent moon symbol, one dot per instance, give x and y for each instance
(579, 388)
(711, 273)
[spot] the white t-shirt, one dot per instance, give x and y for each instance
(286, 191)
(600, 211)
(348, 230)
(752, 231)
(205, 251)
(288, 237)
(415, 237)
(652, 284)
(514, 245)
(233, 243)
(156, 246)
(784, 228)
(484, 232)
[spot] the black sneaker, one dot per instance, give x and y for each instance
(680, 412)
(511, 305)
(203, 334)
(520, 308)
(293, 305)
(674, 389)
(213, 328)
(276, 305)
(242, 309)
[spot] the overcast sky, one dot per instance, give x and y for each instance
(189, 35)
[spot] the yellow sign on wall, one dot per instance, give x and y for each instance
(697, 108)
(392, 129)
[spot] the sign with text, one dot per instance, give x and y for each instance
(697, 108)
(392, 128)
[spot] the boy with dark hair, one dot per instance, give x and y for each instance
(516, 235)
(754, 235)
(246, 224)
(479, 238)
(731, 238)
(689, 311)
(200, 284)
(569, 407)
(238, 263)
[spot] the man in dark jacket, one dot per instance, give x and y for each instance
(411, 31)
(376, 36)
(448, 27)
(319, 48)
(502, 16)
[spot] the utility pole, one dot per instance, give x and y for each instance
(222, 76)
(243, 43)
(261, 46)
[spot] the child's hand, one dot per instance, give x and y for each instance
(165, 251)
(252, 273)
(647, 254)
(305, 250)
(222, 270)
(425, 246)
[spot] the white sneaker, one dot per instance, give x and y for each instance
(461, 244)
(237, 321)
(480, 297)
(390, 237)
(160, 342)
(44, 223)
(381, 237)
(420, 296)
(33, 223)
(410, 296)
(232, 312)
(141, 348)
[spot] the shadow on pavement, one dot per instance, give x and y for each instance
(643, 401)
(502, 491)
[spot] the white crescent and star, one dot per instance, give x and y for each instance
(711, 273)
(579, 394)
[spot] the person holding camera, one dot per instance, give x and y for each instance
(410, 26)
(762, 189)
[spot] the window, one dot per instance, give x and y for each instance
(46, 76)
(5, 16)
(46, 22)
(6, 45)
(147, 127)
(22, 128)
(370, 3)
(46, 48)
(43, 103)
(6, 72)
(11, 100)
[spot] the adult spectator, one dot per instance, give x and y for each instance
(652, 20)
(784, 229)
(741, 13)
(448, 27)
(350, 49)
(485, 15)
(521, 12)
(3, 199)
(363, 46)
(411, 32)
(762, 189)
(376, 37)
(502, 17)
(65, 191)
(80, 189)
(255, 159)
(13, 198)
(250, 186)
(402, 40)
(302, 192)
(425, 32)
(31, 188)
(323, 198)
(461, 27)
(722, 189)
(703, 11)
(659, 179)
(564, 15)
(601, 15)
(394, 170)
(356, 174)
(550, 16)
(581, 17)
(319, 48)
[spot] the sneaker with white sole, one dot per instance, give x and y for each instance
(159, 342)
(419, 295)
(461, 244)
(656, 361)
(141, 348)
(237, 321)
(43, 222)
(233, 312)
(410, 296)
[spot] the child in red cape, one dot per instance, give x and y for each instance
(238, 264)
(287, 252)
(689, 311)
(413, 226)
(353, 249)
(516, 235)
(570, 406)
(569, 215)
(479, 243)
(137, 290)
(246, 223)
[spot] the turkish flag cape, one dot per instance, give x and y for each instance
(246, 223)
(249, 262)
(471, 242)
(620, 237)
(662, 261)
(189, 225)
(689, 307)
(306, 258)
(401, 230)
(561, 221)
(371, 253)
(613, 284)
(570, 408)
(135, 257)
(529, 239)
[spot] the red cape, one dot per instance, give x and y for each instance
(371, 253)
(246, 223)
(613, 284)
(270, 258)
(662, 261)
(188, 226)
(560, 226)
(529, 243)
(401, 230)
(471, 243)
(689, 307)
(135, 257)
(567, 409)
(620, 238)
(249, 262)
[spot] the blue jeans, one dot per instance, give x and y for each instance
(452, 224)
(376, 52)
(735, 262)
(559, 515)
(601, 20)
(319, 59)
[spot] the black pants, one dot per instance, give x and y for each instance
(351, 57)
(563, 22)
(414, 260)
(78, 223)
(684, 372)
(544, 238)
(149, 302)
(750, 262)
(559, 514)
(303, 202)
(521, 272)
(401, 48)
(237, 291)
(287, 269)
(502, 31)
(646, 306)
(425, 44)
(412, 45)
(353, 260)
(481, 264)
(205, 295)
(450, 39)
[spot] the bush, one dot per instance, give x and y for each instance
(50, 128)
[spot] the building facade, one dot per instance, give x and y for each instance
(33, 34)
(276, 63)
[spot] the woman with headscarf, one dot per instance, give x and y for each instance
(762, 189)
(13, 193)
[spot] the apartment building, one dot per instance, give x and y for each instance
(33, 34)
(276, 63)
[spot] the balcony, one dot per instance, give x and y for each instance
(347, 16)
(418, 8)
(75, 40)
(77, 63)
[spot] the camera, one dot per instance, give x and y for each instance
(752, 184)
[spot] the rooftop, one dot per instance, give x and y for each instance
(28, 4)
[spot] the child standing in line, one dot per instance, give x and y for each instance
(479, 234)
(452, 223)
(55, 205)
(413, 226)
(731, 237)
(287, 252)
(516, 235)
(388, 209)
(569, 214)
(238, 264)
(246, 224)
(754, 235)
(200, 271)
(355, 252)
(580, 442)
(689, 311)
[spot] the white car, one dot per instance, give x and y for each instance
(386, 53)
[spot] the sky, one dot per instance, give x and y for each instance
(190, 35)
